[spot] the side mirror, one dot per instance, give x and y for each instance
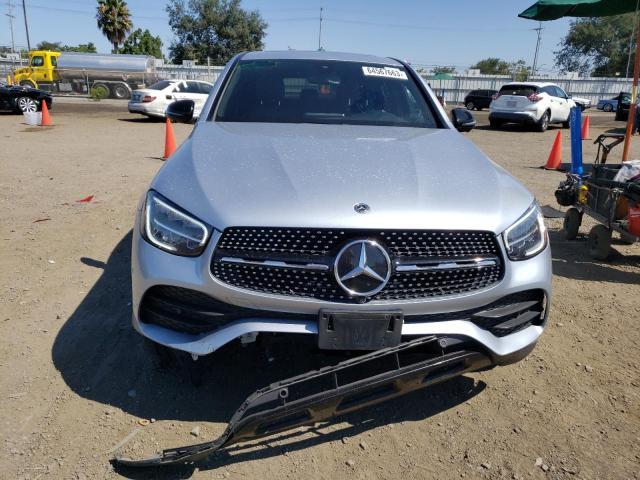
(181, 111)
(462, 119)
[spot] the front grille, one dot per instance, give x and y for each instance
(295, 248)
(503, 317)
(190, 311)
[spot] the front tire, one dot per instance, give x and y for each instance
(600, 242)
(470, 105)
(571, 223)
(543, 123)
(607, 107)
(26, 104)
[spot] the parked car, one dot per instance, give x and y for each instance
(608, 105)
(153, 101)
(583, 103)
(479, 99)
(622, 108)
(311, 198)
(530, 103)
(23, 99)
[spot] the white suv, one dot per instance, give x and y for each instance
(530, 103)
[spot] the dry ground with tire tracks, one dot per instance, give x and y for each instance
(75, 379)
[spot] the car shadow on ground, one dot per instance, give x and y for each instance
(142, 119)
(416, 406)
(571, 259)
(102, 359)
(515, 128)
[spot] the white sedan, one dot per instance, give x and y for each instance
(154, 100)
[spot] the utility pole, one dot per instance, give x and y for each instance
(633, 33)
(535, 56)
(13, 43)
(26, 25)
(320, 32)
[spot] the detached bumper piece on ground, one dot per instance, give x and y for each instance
(326, 393)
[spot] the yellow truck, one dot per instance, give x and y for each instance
(115, 75)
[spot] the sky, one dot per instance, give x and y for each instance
(424, 32)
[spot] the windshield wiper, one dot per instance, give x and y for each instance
(331, 391)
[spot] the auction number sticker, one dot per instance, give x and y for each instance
(387, 72)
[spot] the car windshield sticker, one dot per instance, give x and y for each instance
(387, 72)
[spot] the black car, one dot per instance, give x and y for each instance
(622, 109)
(22, 99)
(479, 99)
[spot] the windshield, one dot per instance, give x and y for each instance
(314, 91)
(518, 90)
(161, 85)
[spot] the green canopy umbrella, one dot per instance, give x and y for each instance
(553, 9)
(441, 76)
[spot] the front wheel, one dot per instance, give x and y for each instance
(543, 123)
(571, 224)
(607, 107)
(26, 104)
(600, 242)
(470, 105)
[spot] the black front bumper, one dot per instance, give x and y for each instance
(323, 394)
(189, 311)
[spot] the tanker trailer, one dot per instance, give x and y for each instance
(115, 75)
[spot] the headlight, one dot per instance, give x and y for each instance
(171, 229)
(527, 237)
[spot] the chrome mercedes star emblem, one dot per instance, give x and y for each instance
(362, 268)
(361, 208)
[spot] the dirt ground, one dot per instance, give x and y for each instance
(75, 379)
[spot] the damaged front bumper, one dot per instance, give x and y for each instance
(326, 393)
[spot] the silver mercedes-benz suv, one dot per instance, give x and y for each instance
(328, 194)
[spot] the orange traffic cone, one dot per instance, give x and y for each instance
(585, 128)
(169, 140)
(46, 118)
(555, 157)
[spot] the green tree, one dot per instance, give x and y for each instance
(58, 47)
(597, 46)
(519, 70)
(493, 66)
(443, 69)
(53, 46)
(114, 20)
(217, 29)
(83, 47)
(142, 43)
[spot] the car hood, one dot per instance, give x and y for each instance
(312, 175)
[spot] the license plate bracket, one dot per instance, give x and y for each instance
(359, 330)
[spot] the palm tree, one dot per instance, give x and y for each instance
(114, 19)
